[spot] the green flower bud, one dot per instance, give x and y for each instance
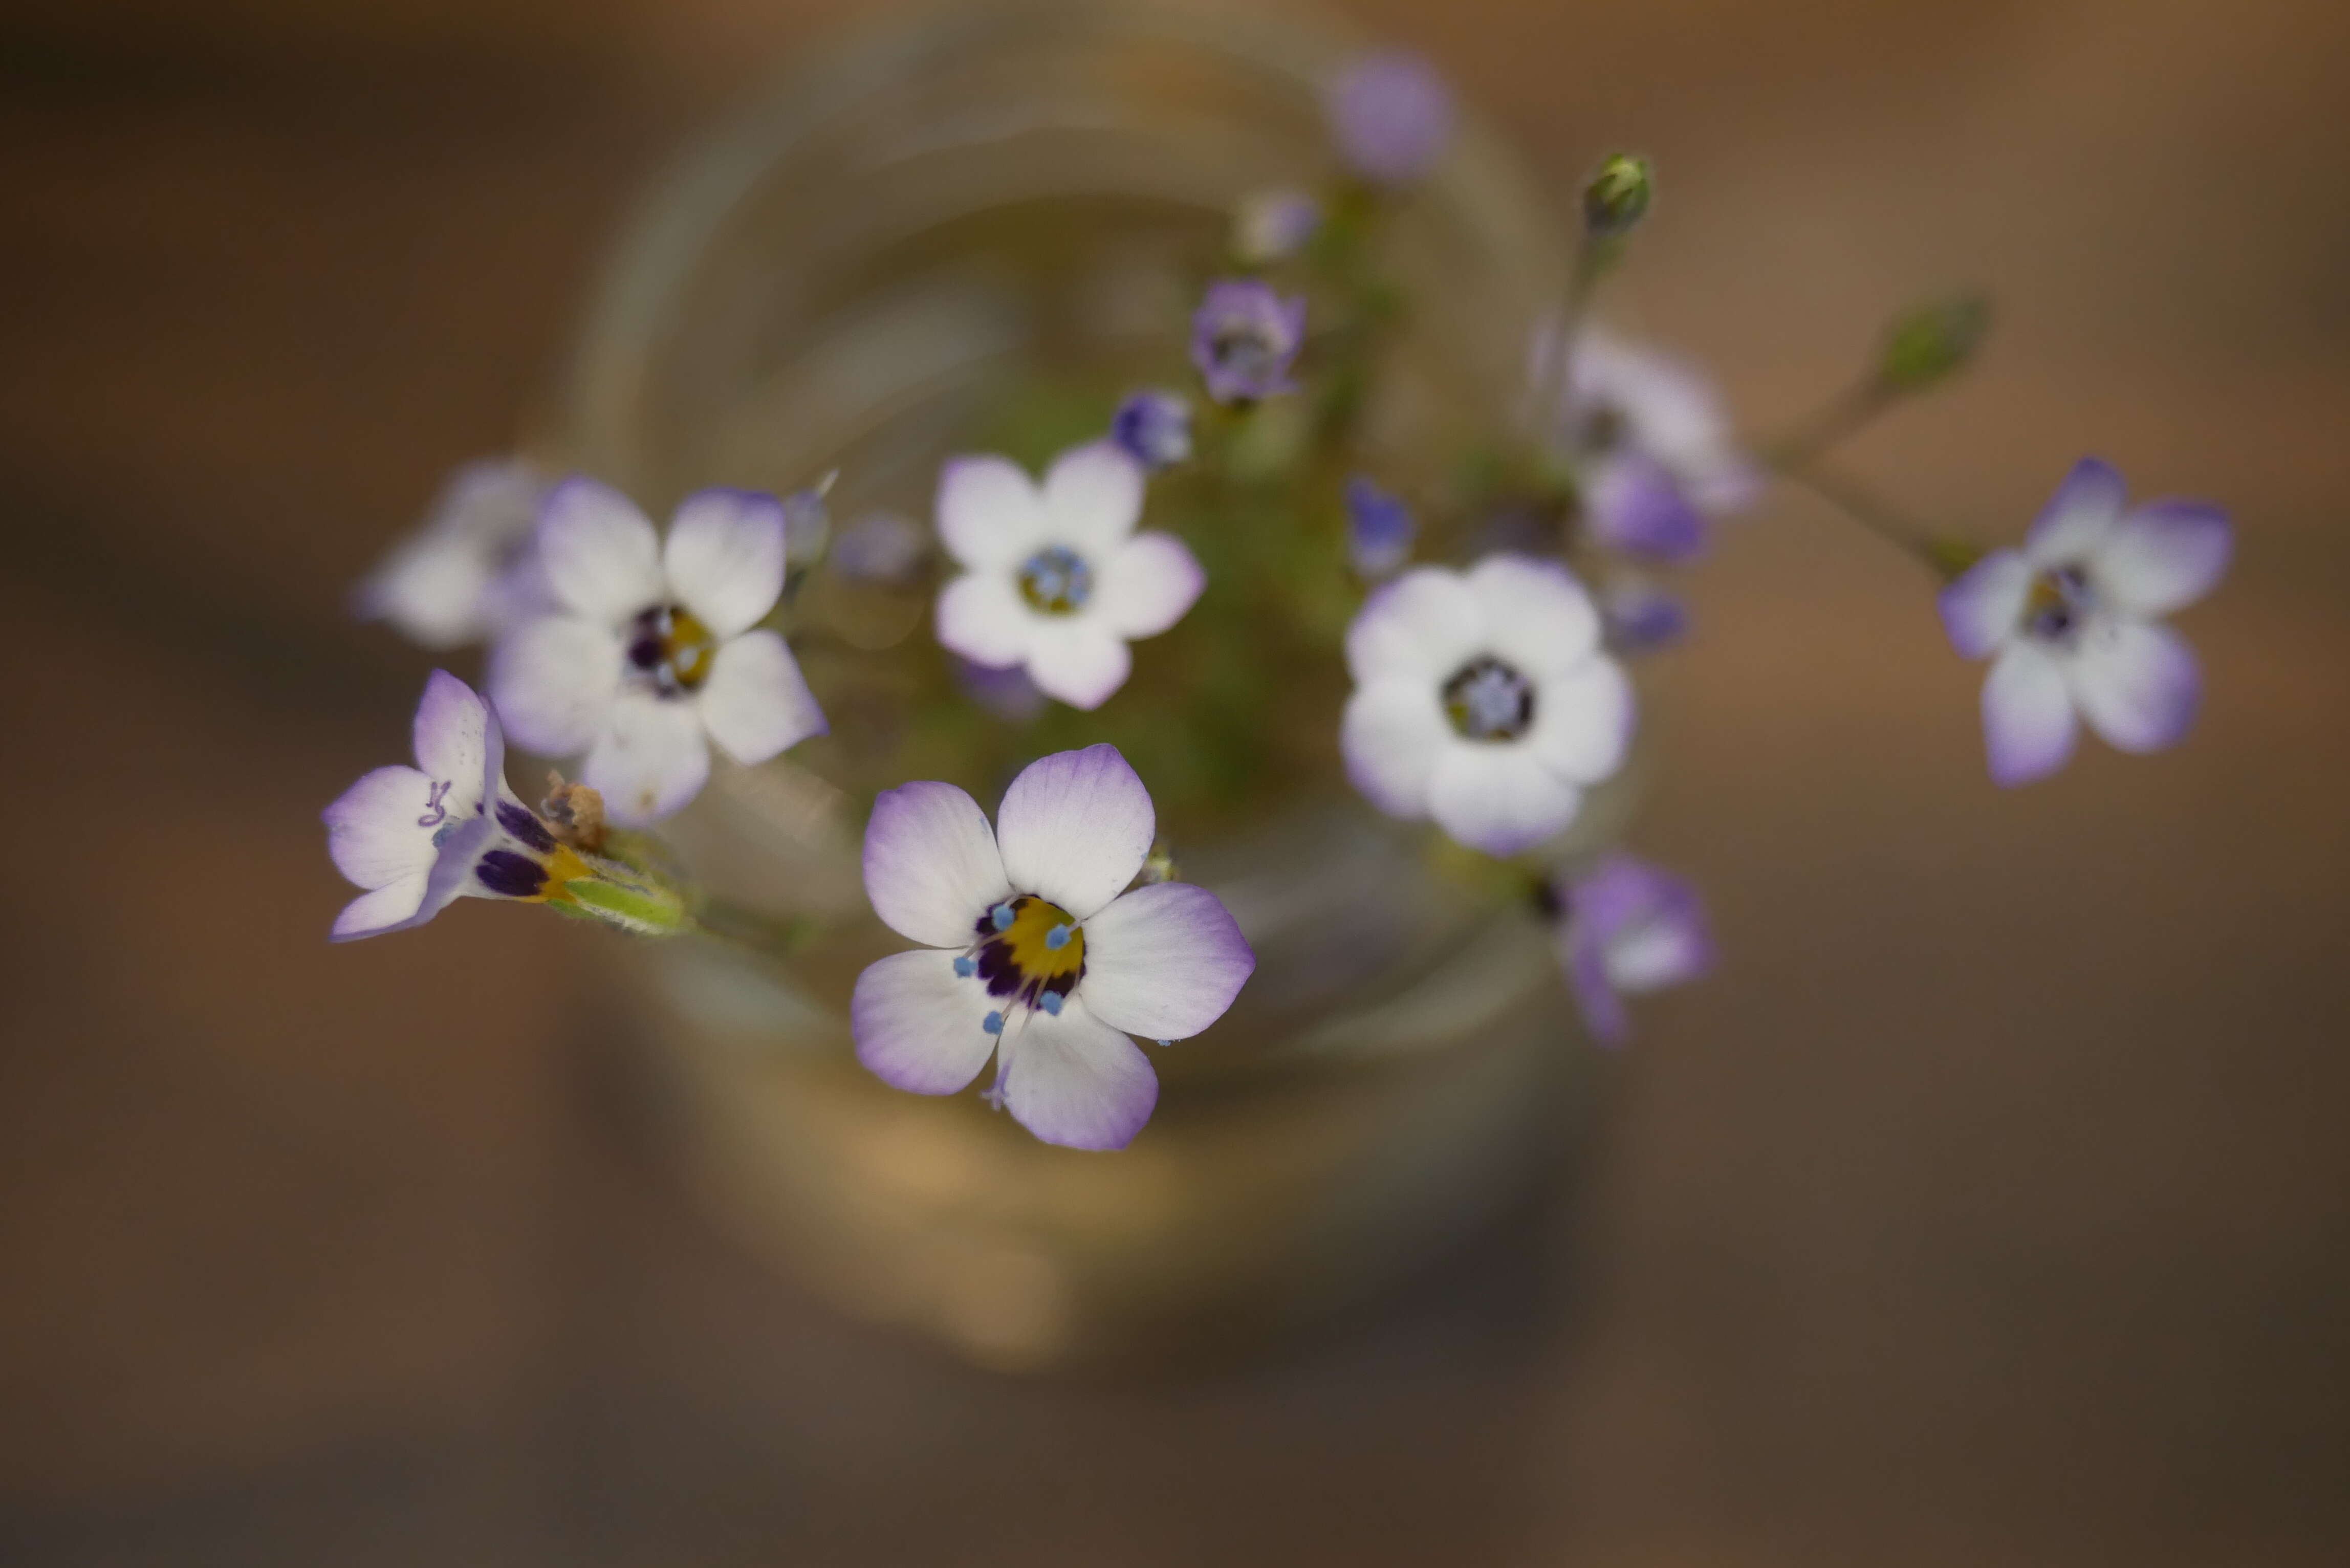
(1617, 196)
(1933, 342)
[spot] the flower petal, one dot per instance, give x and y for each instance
(2137, 683)
(1077, 660)
(373, 833)
(1636, 505)
(917, 1023)
(1075, 827)
(980, 616)
(1146, 585)
(452, 738)
(1536, 616)
(988, 511)
(1393, 734)
(2164, 555)
(554, 680)
(1164, 961)
(650, 759)
(1073, 1080)
(724, 558)
(755, 702)
(1499, 797)
(1982, 608)
(603, 557)
(1092, 498)
(1583, 720)
(389, 907)
(932, 867)
(1648, 924)
(1425, 623)
(2077, 517)
(1585, 963)
(2027, 715)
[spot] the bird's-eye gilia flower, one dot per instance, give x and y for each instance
(1273, 225)
(1482, 699)
(2071, 623)
(1244, 339)
(1154, 427)
(651, 656)
(1380, 530)
(1392, 115)
(1626, 928)
(1035, 951)
(1054, 577)
(469, 572)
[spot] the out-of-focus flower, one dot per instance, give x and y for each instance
(1244, 337)
(1640, 616)
(1273, 225)
(881, 547)
(1380, 530)
(469, 572)
(1625, 928)
(1034, 952)
(1154, 427)
(2071, 623)
(1007, 693)
(1392, 115)
(650, 656)
(1054, 578)
(1482, 699)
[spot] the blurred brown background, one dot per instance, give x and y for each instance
(1993, 1206)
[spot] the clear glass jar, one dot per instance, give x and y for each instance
(907, 238)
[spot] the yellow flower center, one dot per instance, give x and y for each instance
(1038, 950)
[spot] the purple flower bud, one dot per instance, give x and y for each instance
(1155, 427)
(880, 547)
(1635, 504)
(1642, 618)
(1380, 530)
(1625, 928)
(1244, 337)
(1392, 115)
(1273, 225)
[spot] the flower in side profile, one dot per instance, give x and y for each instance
(1054, 577)
(470, 571)
(2071, 623)
(1380, 530)
(1244, 337)
(1482, 699)
(1273, 225)
(1626, 928)
(1392, 116)
(1035, 951)
(650, 656)
(1154, 427)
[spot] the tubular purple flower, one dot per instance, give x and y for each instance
(1392, 115)
(1244, 339)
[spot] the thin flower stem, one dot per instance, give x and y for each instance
(759, 935)
(1834, 421)
(1871, 514)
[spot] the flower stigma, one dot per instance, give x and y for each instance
(1057, 581)
(1488, 700)
(668, 647)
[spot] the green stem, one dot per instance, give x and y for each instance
(1873, 515)
(758, 934)
(1832, 422)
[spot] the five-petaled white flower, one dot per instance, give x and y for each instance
(469, 572)
(1482, 699)
(1054, 577)
(2069, 621)
(652, 655)
(1037, 951)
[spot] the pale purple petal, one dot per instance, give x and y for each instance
(1649, 924)
(1499, 797)
(1077, 660)
(880, 547)
(2136, 682)
(602, 558)
(452, 738)
(932, 867)
(2164, 555)
(444, 584)
(981, 616)
(1537, 617)
(1392, 115)
(1982, 608)
(1641, 618)
(1092, 498)
(1583, 720)
(1425, 623)
(1155, 427)
(2027, 714)
(1075, 827)
(755, 702)
(1380, 530)
(392, 907)
(1584, 960)
(1164, 961)
(917, 1025)
(990, 513)
(415, 898)
(1146, 585)
(554, 680)
(2077, 517)
(1634, 503)
(1073, 1080)
(650, 761)
(1393, 734)
(724, 558)
(379, 831)
(1272, 225)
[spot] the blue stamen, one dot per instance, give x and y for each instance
(1002, 917)
(1058, 936)
(992, 1023)
(966, 966)
(1051, 1002)
(1164, 1043)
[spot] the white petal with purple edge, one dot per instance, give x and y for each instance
(1581, 955)
(1073, 1080)
(1582, 721)
(554, 680)
(1500, 798)
(1536, 617)
(755, 702)
(377, 831)
(917, 1025)
(1393, 734)
(388, 907)
(989, 511)
(981, 616)
(1146, 585)
(1092, 498)
(1425, 623)
(602, 558)
(1077, 660)
(2163, 556)
(724, 558)
(932, 867)
(2077, 517)
(1075, 827)
(1164, 961)
(2136, 682)
(650, 759)
(452, 738)
(1983, 608)
(2027, 715)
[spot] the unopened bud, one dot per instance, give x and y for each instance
(1617, 196)
(1933, 342)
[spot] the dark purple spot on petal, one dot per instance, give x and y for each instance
(519, 821)
(510, 875)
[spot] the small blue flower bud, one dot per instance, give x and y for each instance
(1380, 530)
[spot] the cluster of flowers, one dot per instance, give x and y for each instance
(1488, 698)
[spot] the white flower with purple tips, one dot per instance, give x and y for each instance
(2071, 623)
(1482, 699)
(651, 656)
(470, 571)
(1056, 579)
(1626, 928)
(1035, 950)
(1244, 339)
(1392, 115)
